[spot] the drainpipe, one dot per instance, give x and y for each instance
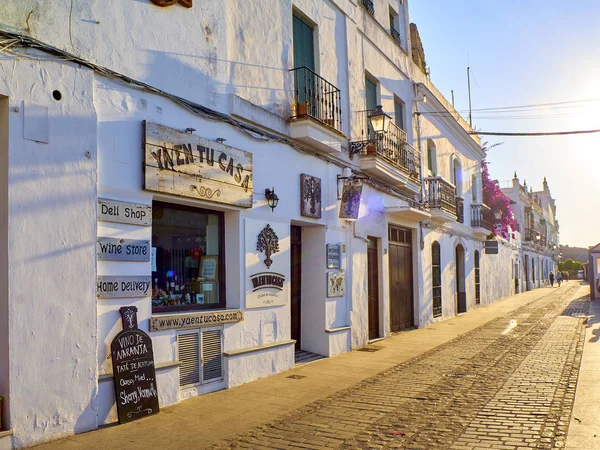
(418, 131)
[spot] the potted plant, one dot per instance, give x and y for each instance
(303, 109)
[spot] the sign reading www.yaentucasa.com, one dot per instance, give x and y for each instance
(195, 320)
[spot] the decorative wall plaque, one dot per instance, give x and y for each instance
(133, 370)
(118, 286)
(183, 164)
(123, 212)
(267, 263)
(350, 200)
(336, 282)
(334, 256)
(115, 249)
(310, 189)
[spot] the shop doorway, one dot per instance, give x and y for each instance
(526, 273)
(401, 279)
(296, 283)
(461, 294)
(373, 287)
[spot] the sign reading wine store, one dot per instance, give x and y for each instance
(115, 249)
(133, 370)
(183, 164)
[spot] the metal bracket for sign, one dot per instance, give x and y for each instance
(351, 178)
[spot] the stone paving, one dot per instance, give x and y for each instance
(509, 384)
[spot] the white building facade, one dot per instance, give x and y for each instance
(224, 172)
(535, 213)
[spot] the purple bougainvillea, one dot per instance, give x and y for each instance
(497, 201)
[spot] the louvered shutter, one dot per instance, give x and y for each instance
(189, 358)
(212, 355)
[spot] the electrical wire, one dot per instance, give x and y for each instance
(550, 133)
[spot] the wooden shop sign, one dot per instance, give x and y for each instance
(491, 247)
(115, 249)
(133, 370)
(195, 320)
(183, 164)
(118, 286)
(123, 212)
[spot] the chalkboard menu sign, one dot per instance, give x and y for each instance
(133, 368)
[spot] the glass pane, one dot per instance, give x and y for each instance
(436, 276)
(187, 247)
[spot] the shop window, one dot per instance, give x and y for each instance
(188, 258)
(436, 278)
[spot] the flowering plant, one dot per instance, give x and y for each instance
(497, 201)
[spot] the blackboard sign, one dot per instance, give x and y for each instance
(133, 369)
(491, 247)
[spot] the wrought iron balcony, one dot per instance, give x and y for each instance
(441, 196)
(478, 218)
(317, 98)
(368, 4)
(535, 236)
(395, 35)
(390, 146)
(460, 209)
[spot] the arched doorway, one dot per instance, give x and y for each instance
(461, 294)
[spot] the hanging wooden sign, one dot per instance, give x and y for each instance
(133, 370)
(350, 201)
(183, 164)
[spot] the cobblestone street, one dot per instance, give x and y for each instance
(509, 384)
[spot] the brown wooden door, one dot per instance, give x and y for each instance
(295, 282)
(401, 286)
(373, 288)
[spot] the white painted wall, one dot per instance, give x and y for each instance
(51, 253)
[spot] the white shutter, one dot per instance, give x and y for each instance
(212, 355)
(189, 358)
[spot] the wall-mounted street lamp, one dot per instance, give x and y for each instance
(497, 214)
(538, 237)
(272, 199)
(380, 121)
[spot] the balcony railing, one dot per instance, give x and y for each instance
(368, 4)
(390, 145)
(395, 35)
(535, 236)
(316, 98)
(440, 195)
(460, 209)
(477, 217)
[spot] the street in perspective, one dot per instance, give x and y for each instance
(299, 224)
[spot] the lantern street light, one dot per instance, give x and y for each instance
(380, 121)
(272, 199)
(497, 214)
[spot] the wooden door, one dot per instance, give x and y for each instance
(401, 279)
(295, 282)
(373, 288)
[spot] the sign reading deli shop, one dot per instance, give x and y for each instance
(267, 267)
(183, 164)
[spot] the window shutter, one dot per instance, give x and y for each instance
(212, 355)
(189, 358)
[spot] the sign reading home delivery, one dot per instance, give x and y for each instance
(115, 249)
(183, 164)
(133, 370)
(118, 286)
(123, 212)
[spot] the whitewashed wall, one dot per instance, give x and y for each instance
(51, 251)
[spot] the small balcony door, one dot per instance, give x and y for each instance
(304, 56)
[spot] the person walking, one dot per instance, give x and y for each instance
(558, 278)
(551, 278)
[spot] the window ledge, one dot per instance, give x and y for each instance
(337, 329)
(160, 366)
(257, 348)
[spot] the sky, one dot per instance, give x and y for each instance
(526, 52)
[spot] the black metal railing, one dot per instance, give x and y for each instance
(478, 217)
(535, 236)
(395, 35)
(317, 98)
(440, 195)
(368, 4)
(390, 145)
(460, 209)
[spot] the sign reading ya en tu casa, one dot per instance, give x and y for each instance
(183, 164)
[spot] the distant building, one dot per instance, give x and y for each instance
(535, 211)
